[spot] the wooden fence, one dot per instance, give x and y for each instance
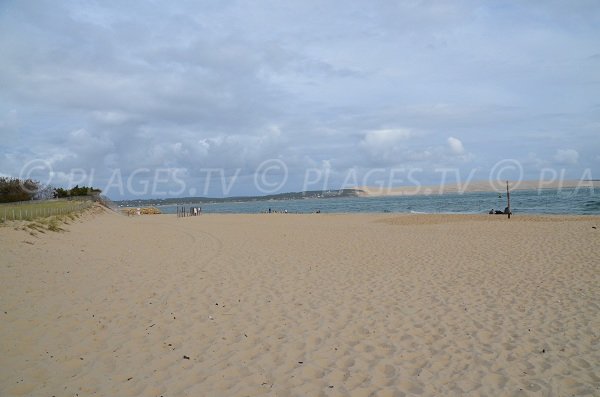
(42, 209)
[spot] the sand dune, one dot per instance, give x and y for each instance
(302, 305)
(474, 186)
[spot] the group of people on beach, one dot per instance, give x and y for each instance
(271, 211)
(184, 211)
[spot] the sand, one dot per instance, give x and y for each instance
(302, 305)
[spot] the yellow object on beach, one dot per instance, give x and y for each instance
(142, 211)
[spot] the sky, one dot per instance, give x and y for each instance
(221, 98)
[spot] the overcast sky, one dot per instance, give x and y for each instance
(118, 90)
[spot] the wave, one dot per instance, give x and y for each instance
(591, 206)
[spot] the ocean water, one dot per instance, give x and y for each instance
(581, 201)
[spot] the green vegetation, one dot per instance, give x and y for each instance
(28, 200)
(14, 189)
(76, 192)
(46, 224)
(42, 225)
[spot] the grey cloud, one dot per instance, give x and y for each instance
(196, 85)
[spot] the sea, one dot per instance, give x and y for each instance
(574, 201)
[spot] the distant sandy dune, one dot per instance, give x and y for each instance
(478, 186)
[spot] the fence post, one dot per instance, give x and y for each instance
(508, 199)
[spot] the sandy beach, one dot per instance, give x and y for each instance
(302, 305)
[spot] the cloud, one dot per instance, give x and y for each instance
(566, 156)
(9, 127)
(386, 145)
(113, 118)
(456, 146)
(386, 137)
(196, 85)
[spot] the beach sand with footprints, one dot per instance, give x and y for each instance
(302, 305)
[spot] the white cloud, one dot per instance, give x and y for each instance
(566, 156)
(386, 145)
(386, 137)
(456, 146)
(231, 84)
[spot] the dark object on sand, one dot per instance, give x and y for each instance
(498, 212)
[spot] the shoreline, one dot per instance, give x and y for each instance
(582, 200)
(491, 217)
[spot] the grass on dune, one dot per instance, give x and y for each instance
(40, 209)
(42, 216)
